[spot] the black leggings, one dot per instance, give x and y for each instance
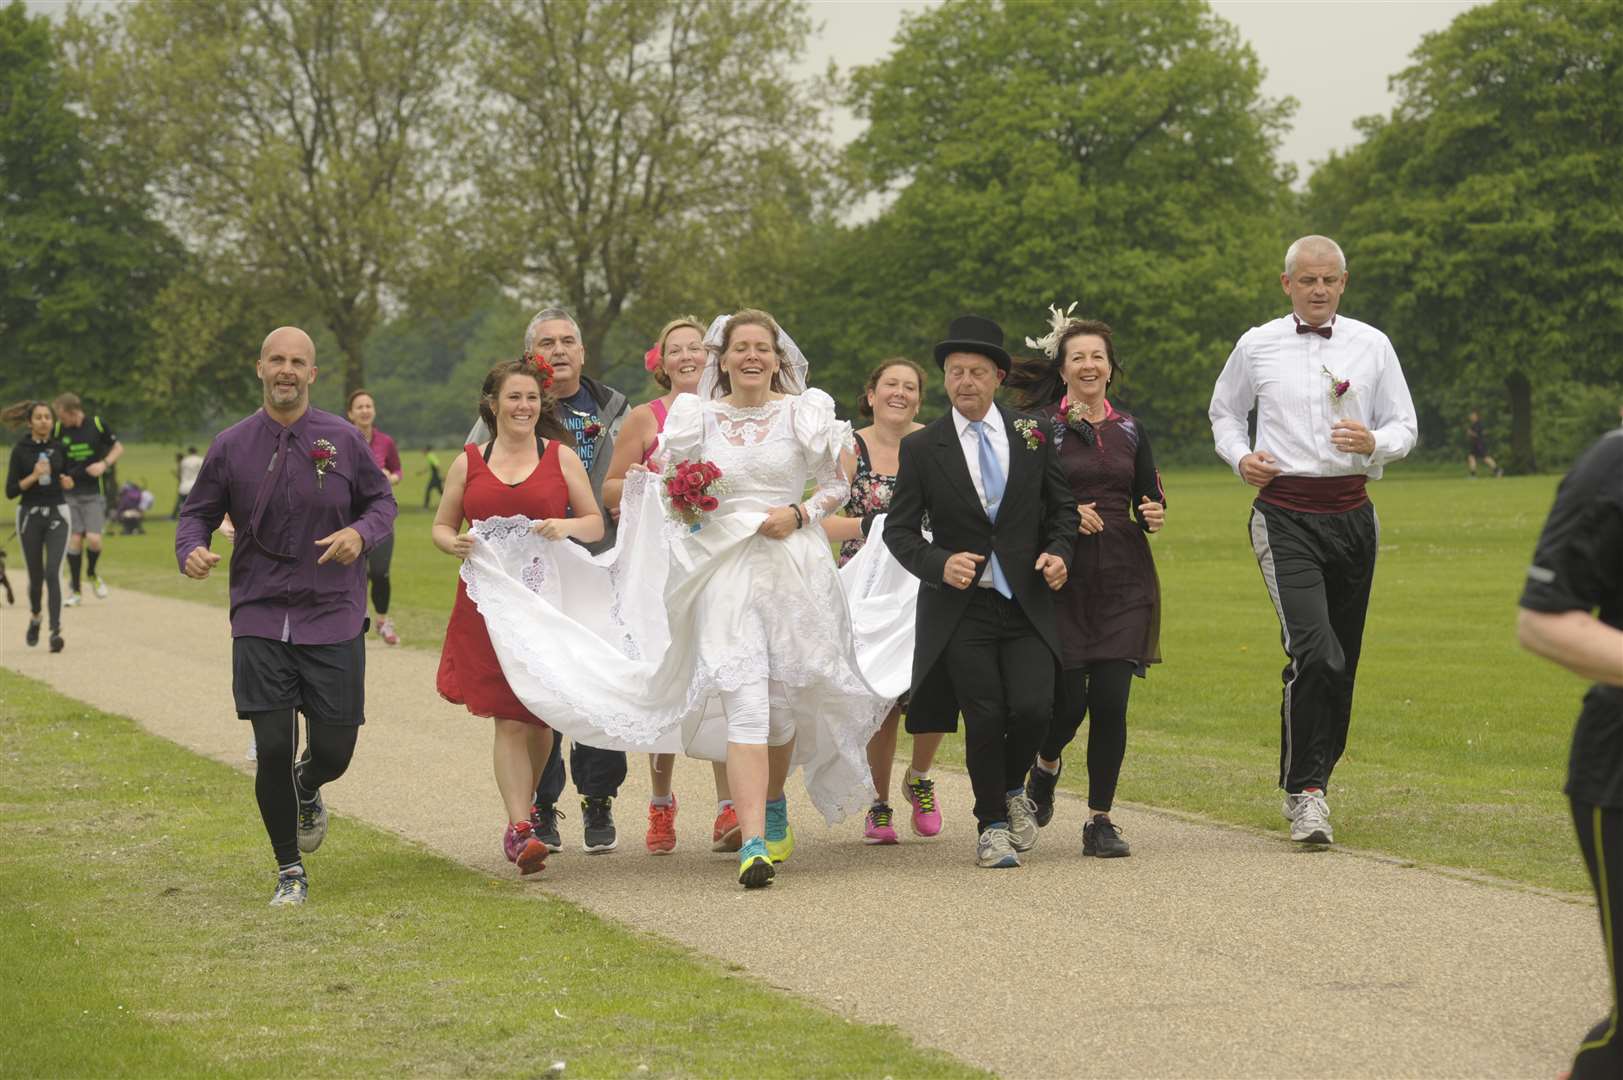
(1600, 836)
(44, 534)
(276, 737)
(1098, 691)
(377, 569)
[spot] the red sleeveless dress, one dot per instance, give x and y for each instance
(469, 672)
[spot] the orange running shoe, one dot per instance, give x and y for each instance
(662, 828)
(726, 836)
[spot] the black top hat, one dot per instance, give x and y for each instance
(974, 334)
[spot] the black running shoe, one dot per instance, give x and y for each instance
(544, 826)
(1040, 789)
(1101, 838)
(56, 641)
(32, 637)
(597, 824)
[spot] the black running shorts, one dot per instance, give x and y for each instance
(325, 682)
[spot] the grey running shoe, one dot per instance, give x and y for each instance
(597, 824)
(291, 889)
(1022, 822)
(1311, 821)
(312, 818)
(73, 600)
(993, 850)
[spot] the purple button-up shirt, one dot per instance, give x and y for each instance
(291, 599)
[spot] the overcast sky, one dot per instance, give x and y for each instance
(1333, 56)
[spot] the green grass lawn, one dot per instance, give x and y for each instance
(139, 942)
(1459, 738)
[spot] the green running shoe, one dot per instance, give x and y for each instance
(780, 838)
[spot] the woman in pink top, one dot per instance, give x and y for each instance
(676, 362)
(363, 413)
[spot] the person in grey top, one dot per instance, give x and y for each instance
(593, 413)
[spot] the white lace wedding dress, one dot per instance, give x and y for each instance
(629, 649)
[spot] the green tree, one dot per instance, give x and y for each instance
(1116, 154)
(1483, 219)
(304, 148)
(631, 146)
(79, 263)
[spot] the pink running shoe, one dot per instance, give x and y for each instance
(386, 631)
(876, 828)
(926, 815)
(523, 849)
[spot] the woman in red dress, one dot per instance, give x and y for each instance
(528, 470)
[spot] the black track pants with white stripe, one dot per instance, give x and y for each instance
(1600, 837)
(1318, 569)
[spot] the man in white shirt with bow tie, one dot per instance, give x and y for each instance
(1332, 410)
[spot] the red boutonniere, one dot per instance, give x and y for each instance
(1031, 432)
(692, 487)
(1339, 388)
(324, 455)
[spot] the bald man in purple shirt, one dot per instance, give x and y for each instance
(308, 501)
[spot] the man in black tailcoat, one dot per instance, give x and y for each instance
(1004, 528)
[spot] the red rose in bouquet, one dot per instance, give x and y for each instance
(689, 486)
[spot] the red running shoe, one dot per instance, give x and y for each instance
(726, 836)
(523, 849)
(662, 828)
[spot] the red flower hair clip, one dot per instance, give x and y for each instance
(652, 357)
(543, 370)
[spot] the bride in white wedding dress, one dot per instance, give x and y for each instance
(729, 641)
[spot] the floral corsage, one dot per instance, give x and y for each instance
(1339, 388)
(324, 455)
(692, 487)
(1032, 433)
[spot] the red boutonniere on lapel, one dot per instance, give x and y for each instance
(1032, 433)
(324, 455)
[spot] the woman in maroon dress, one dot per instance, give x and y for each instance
(362, 411)
(1109, 611)
(528, 470)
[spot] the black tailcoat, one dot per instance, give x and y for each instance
(1038, 514)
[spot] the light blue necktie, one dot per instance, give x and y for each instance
(992, 481)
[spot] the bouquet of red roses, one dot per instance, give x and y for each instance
(692, 487)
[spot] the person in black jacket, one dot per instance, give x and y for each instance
(37, 479)
(1572, 613)
(1004, 526)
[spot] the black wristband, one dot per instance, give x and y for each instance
(800, 518)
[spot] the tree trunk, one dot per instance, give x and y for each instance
(1520, 392)
(350, 342)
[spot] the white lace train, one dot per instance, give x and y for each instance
(659, 625)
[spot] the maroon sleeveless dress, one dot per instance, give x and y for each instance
(469, 672)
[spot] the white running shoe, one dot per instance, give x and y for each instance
(994, 851)
(1310, 818)
(100, 587)
(1022, 822)
(73, 600)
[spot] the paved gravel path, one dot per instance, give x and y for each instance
(1211, 952)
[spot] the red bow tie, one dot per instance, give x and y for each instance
(1304, 328)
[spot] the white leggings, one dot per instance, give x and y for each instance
(758, 713)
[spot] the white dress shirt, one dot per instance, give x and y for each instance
(971, 444)
(1288, 377)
